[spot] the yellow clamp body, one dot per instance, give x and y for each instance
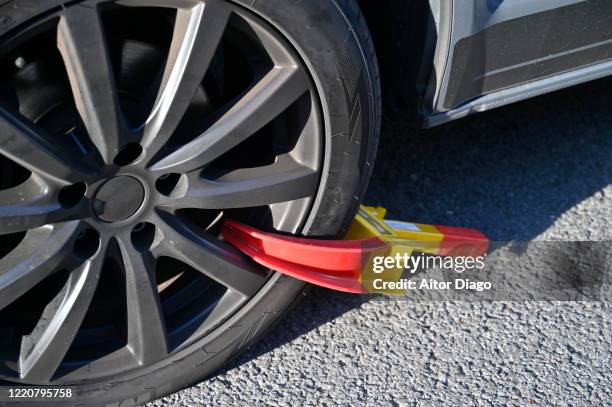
(403, 239)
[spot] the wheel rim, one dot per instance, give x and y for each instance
(113, 197)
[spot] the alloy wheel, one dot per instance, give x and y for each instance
(128, 131)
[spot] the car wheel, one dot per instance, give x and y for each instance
(129, 130)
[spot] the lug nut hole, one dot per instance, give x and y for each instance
(171, 184)
(71, 195)
(130, 153)
(87, 244)
(145, 236)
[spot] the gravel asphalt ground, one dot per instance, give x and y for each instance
(541, 169)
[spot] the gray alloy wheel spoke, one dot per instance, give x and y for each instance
(82, 43)
(197, 34)
(44, 349)
(212, 257)
(274, 93)
(29, 146)
(147, 337)
(31, 205)
(25, 267)
(285, 180)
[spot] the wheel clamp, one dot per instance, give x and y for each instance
(345, 265)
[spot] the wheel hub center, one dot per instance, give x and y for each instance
(118, 199)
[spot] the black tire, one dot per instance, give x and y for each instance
(332, 38)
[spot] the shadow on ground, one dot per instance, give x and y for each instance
(510, 173)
